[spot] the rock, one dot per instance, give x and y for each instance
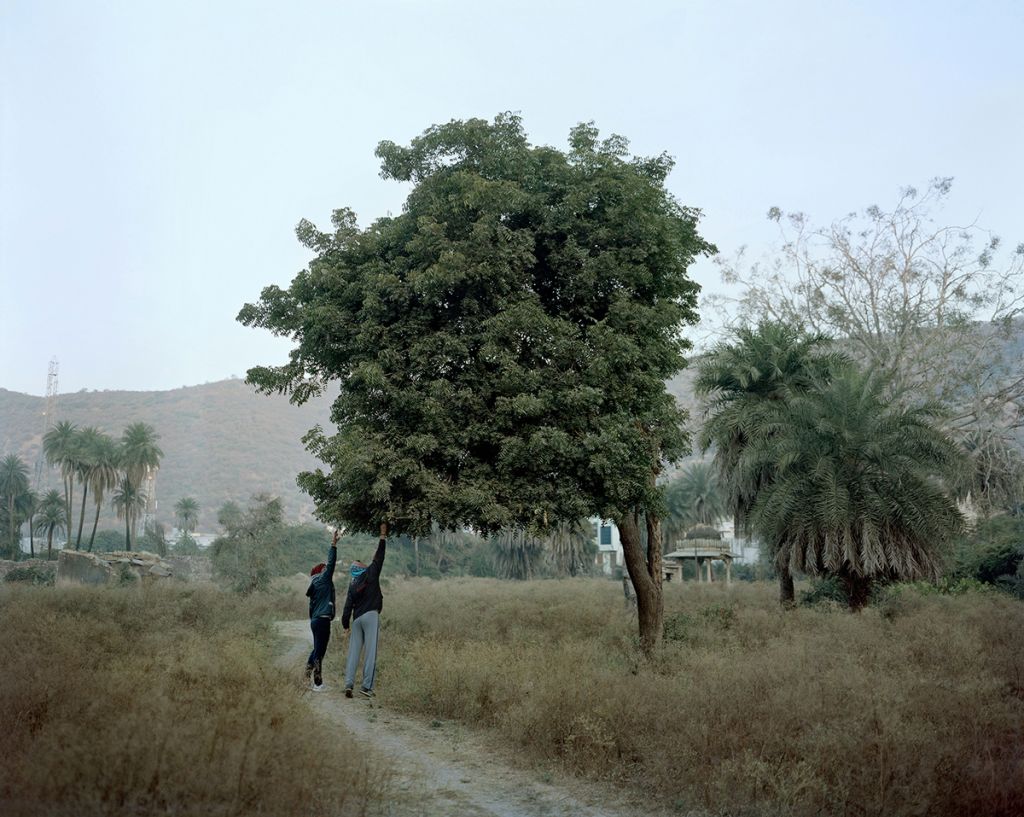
(76, 567)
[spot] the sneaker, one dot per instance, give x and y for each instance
(367, 693)
(318, 687)
(348, 692)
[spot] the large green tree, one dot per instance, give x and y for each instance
(859, 485)
(759, 368)
(502, 346)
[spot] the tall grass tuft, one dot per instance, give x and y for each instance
(915, 709)
(159, 700)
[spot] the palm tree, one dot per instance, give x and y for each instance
(696, 497)
(89, 442)
(59, 446)
(51, 519)
(857, 490)
(103, 476)
(128, 501)
(517, 554)
(187, 511)
(13, 483)
(761, 368)
(140, 456)
(571, 547)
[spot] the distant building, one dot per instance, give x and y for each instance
(609, 546)
(742, 550)
(694, 555)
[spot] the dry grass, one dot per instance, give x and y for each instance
(159, 700)
(913, 709)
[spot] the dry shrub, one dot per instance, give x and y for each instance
(747, 709)
(158, 700)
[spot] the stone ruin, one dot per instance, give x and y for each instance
(79, 567)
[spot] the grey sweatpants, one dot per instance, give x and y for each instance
(364, 634)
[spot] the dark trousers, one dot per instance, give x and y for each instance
(321, 628)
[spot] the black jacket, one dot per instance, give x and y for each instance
(321, 589)
(364, 593)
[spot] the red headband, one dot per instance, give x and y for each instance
(317, 568)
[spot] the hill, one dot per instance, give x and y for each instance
(220, 440)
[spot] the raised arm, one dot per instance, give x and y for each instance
(378, 557)
(332, 557)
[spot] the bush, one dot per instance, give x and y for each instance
(185, 546)
(826, 590)
(992, 552)
(32, 574)
(108, 540)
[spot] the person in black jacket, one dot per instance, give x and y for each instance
(321, 612)
(363, 605)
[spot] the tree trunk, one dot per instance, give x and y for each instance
(15, 541)
(416, 550)
(95, 522)
(127, 529)
(31, 539)
(858, 590)
(69, 493)
(787, 596)
(49, 546)
(81, 515)
(645, 573)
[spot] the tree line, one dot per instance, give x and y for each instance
(102, 466)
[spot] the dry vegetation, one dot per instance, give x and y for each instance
(163, 700)
(912, 708)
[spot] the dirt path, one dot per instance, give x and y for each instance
(446, 769)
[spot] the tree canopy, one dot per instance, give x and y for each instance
(502, 345)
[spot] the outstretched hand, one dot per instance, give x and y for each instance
(334, 541)
(383, 530)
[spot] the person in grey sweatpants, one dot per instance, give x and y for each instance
(362, 607)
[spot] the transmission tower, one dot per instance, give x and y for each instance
(49, 414)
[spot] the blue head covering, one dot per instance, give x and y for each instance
(358, 569)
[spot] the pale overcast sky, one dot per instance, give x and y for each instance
(156, 156)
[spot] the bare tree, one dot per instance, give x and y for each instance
(925, 303)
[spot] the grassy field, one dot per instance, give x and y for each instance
(915, 707)
(160, 701)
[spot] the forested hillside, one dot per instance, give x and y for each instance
(220, 440)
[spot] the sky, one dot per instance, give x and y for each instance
(155, 157)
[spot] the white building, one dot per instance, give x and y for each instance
(609, 546)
